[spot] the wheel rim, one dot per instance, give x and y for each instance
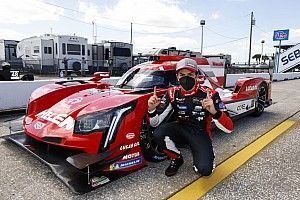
(148, 139)
(261, 99)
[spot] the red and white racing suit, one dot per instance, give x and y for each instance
(191, 125)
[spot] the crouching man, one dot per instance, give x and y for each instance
(194, 107)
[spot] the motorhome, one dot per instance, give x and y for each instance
(110, 56)
(8, 54)
(171, 51)
(53, 53)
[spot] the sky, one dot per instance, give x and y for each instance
(158, 23)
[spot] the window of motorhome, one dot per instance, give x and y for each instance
(64, 48)
(173, 52)
(47, 50)
(83, 50)
(106, 55)
(73, 49)
(36, 49)
(125, 52)
(89, 52)
(55, 48)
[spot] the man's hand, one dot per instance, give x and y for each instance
(208, 104)
(153, 101)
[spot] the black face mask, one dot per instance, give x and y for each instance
(187, 82)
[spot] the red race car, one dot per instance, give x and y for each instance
(90, 132)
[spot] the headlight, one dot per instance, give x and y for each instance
(105, 121)
(99, 121)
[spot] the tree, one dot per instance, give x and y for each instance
(257, 58)
(264, 58)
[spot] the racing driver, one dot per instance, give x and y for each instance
(194, 107)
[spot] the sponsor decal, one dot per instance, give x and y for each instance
(39, 125)
(182, 107)
(218, 64)
(197, 101)
(74, 101)
(96, 181)
(221, 105)
(130, 136)
(200, 118)
(62, 120)
(251, 87)
(242, 107)
(131, 155)
(198, 108)
(180, 100)
(181, 112)
(129, 146)
(159, 157)
(126, 164)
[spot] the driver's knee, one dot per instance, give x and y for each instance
(203, 169)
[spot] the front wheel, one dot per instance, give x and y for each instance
(149, 148)
(260, 100)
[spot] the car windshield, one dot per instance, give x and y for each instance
(146, 78)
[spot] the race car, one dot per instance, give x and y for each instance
(90, 132)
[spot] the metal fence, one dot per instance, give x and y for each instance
(55, 66)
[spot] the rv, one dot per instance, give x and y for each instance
(53, 53)
(115, 57)
(171, 51)
(8, 54)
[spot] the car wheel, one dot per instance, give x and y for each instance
(260, 100)
(149, 147)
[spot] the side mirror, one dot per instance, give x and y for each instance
(100, 75)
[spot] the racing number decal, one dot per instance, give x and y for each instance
(15, 75)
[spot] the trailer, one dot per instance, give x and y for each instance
(53, 53)
(112, 56)
(8, 54)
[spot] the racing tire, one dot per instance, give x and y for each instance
(260, 100)
(149, 148)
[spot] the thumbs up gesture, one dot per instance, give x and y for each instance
(208, 104)
(153, 101)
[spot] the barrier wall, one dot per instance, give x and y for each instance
(232, 78)
(15, 94)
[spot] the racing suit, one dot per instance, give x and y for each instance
(192, 125)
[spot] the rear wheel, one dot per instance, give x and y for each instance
(260, 100)
(149, 147)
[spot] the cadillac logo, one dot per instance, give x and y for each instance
(74, 101)
(39, 125)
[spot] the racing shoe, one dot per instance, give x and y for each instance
(174, 166)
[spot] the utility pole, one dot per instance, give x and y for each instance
(94, 32)
(252, 23)
(202, 23)
(262, 50)
(131, 33)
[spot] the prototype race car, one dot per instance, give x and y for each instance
(90, 132)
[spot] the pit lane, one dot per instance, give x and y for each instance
(24, 177)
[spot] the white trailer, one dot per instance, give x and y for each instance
(49, 53)
(110, 56)
(8, 54)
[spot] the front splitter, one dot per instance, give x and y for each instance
(79, 181)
